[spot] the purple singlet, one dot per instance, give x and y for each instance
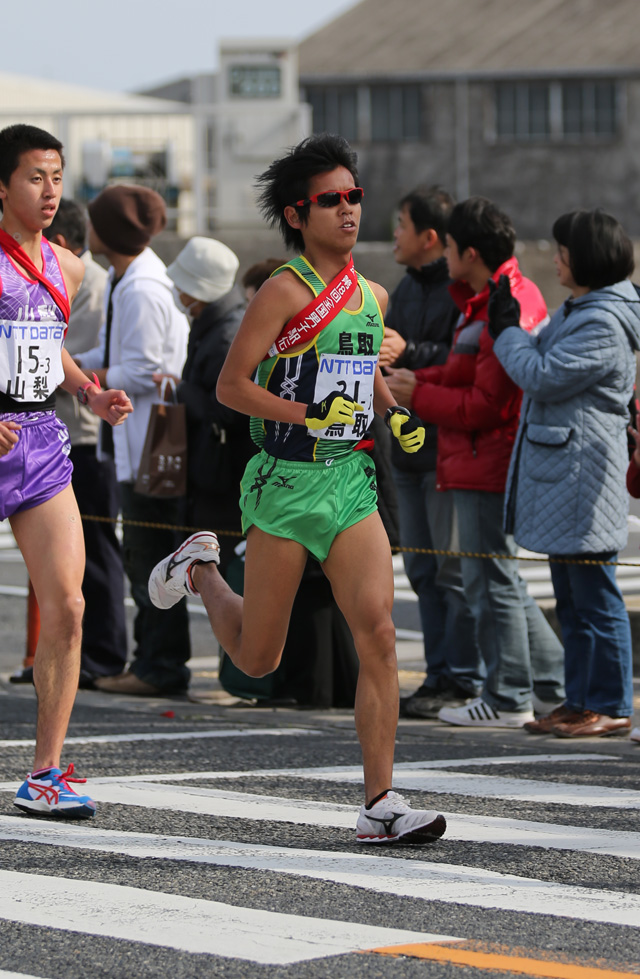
(32, 330)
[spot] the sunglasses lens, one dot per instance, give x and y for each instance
(355, 196)
(330, 199)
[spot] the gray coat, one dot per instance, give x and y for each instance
(566, 490)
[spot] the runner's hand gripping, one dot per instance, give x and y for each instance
(336, 409)
(408, 429)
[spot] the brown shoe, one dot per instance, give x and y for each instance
(125, 683)
(544, 724)
(588, 724)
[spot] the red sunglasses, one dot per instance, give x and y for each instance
(331, 198)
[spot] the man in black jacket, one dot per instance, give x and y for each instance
(419, 330)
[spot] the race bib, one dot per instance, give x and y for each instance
(353, 377)
(30, 361)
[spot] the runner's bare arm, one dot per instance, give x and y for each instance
(72, 270)
(273, 305)
(110, 405)
(382, 397)
(381, 295)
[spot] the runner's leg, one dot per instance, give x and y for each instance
(252, 630)
(52, 544)
(361, 574)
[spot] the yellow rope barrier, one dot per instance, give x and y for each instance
(406, 550)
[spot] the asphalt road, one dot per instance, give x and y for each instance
(224, 844)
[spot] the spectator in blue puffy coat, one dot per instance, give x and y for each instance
(566, 491)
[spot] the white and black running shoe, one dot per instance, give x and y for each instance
(392, 820)
(170, 579)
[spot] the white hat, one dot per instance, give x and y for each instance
(205, 269)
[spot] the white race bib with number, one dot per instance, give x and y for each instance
(30, 361)
(353, 377)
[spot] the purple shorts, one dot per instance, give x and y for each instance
(38, 467)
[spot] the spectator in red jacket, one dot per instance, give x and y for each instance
(476, 407)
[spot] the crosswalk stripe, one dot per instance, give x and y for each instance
(175, 736)
(405, 766)
(16, 975)
(434, 781)
(448, 883)
(185, 923)
(427, 779)
(461, 827)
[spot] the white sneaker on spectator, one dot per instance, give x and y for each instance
(477, 713)
(170, 580)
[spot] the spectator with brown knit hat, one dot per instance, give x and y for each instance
(143, 334)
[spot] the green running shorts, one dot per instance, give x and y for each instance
(308, 502)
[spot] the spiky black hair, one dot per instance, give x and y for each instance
(287, 180)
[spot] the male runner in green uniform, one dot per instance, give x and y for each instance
(309, 489)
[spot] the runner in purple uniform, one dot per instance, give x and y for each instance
(38, 281)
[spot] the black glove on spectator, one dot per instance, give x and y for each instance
(503, 309)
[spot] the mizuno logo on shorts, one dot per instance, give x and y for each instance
(283, 482)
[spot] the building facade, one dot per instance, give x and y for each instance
(533, 104)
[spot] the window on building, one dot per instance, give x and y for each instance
(556, 110)
(254, 81)
(589, 108)
(522, 110)
(395, 113)
(334, 110)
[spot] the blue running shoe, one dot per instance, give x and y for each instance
(50, 794)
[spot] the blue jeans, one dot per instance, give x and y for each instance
(427, 521)
(519, 647)
(597, 636)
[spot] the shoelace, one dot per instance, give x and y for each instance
(399, 804)
(67, 776)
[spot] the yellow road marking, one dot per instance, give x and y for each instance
(498, 962)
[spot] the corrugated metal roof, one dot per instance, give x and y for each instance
(441, 37)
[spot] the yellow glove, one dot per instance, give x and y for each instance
(408, 430)
(335, 409)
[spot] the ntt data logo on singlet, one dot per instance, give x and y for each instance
(347, 368)
(353, 376)
(31, 331)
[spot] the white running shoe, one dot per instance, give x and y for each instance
(392, 819)
(479, 714)
(635, 734)
(170, 580)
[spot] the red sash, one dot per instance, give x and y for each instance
(323, 308)
(12, 248)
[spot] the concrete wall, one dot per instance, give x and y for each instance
(533, 181)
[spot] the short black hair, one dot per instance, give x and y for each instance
(429, 207)
(18, 139)
(479, 223)
(600, 251)
(70, 222)
(287, 180)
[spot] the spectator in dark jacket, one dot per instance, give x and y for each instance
(476, 407)
(418, 332)
(218, 437)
